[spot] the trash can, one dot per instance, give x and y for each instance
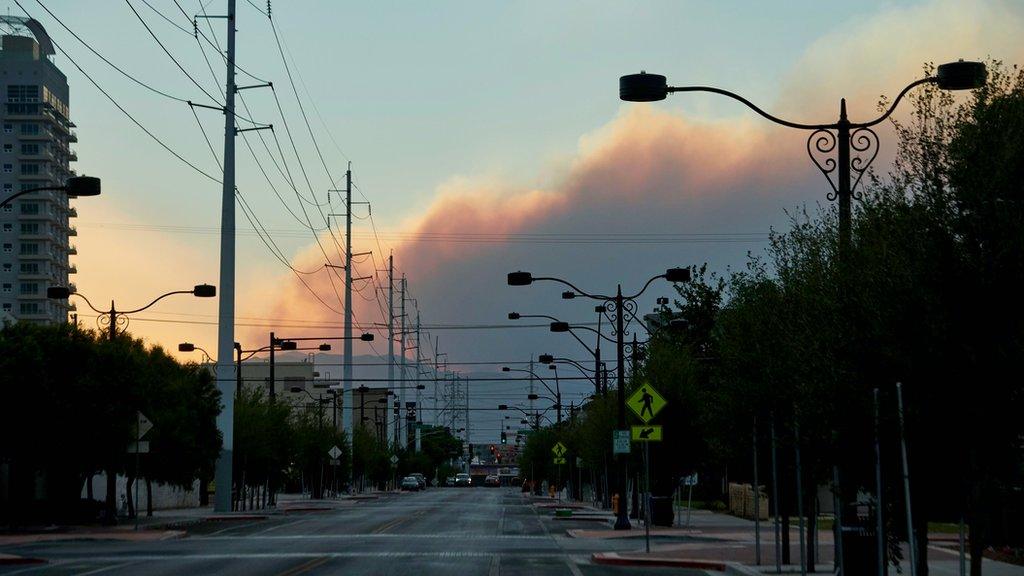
(661, 511)
(860, 545)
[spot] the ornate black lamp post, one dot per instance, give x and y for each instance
(113, 319)
(843, 147)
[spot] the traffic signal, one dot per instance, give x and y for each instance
(504, 439)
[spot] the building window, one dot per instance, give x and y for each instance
(8, 148)
(29, 308)
(30, 129)
(31, 149)
(7, 306)
(8, 227)
(30, 208)
(28, 288)
(8, 168)
(8, 187)
(30, 227)
(30, 169)
(23, 93)
(8, 128)
(28, 267)
(8, 247)
(7, 287)
(29, 249)
(7, 266)
(8, 207)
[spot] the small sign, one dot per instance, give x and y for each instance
(334, 452)
(559, 449)
(335, 462)
(143, 426)
(620, 442)
(394, 460)
(690, 480)
(645, 402)
(559, 460)
(646, 433)
(140, 447)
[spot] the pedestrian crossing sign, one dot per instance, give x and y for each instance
(645, 402)
(559, 450)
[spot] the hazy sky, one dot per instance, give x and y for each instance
(488, 136)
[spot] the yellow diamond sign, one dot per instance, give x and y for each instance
(645, 402)
(559, 450)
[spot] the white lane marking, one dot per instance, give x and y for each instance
(104, 569)
(285, 525)
(297, 555)
(37, 567)
(572, 567)
(495, 569)
(371, 536)
(236, 527)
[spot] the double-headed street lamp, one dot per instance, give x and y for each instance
(559, 326)
(625, 310)
(74, 187)
(112, 319)
(557, 392)
(842, 146)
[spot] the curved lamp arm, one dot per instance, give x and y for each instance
(750, 105)
(578, 327)
(571, 285)
(155, 300)
(94, 309)
(644, 289)
(531, 373)
(895, 102)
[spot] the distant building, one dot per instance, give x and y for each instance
(35, 151)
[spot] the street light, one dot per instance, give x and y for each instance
(74, 187)
(620, 305)
(854, 144)
(114, 317)
(190, 347)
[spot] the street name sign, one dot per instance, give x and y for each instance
(559, 450)
(645, 402)
(620, 442)
(334, 452)
(647, 433)
(335, 462)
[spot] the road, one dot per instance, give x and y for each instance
(441, 531)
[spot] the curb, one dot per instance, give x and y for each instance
(616, 559)
(231, 517)
(11, 560)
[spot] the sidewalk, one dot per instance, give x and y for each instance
(724, 543)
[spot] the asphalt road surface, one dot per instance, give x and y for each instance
(441, 531)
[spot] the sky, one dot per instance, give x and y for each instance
(487, 136)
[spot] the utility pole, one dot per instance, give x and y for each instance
(419, 396)
(392, 438)
(346, 400)
(226, 307)
(401, 377)
(532, 407)
(272, 381)
(437, 354)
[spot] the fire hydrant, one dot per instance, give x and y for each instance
(615, 504)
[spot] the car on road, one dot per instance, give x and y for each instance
(463, 479)
(421, 479)
(450, 481)
(411, 484)
(493, 481)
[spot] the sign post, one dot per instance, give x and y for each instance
(559, 451)
(142, 427)
(646, 402)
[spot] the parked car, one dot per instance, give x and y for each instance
(450, 481)
(463, 479)
(421, 479)
(493, 481)
(411, 484)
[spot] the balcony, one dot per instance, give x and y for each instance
(73, 157)
(72, 231)
(72, 250)
(72, 212)
(72, 137)
(73, 269)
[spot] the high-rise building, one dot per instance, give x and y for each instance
(34, 151)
